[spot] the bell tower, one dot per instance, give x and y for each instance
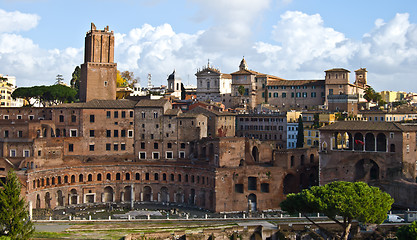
(98, 72)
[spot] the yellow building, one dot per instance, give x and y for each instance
(311, 137)
(7, 86)
(392, 96)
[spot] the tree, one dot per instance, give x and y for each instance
(75, 81)
(372, 96)
(14, 215)
(120, 81)
(351, 201)
(241, 90)
(300, 133)
(129, 77)
(408, 231)
(183, 92)
(46, 95)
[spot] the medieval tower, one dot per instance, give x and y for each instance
(98, 72)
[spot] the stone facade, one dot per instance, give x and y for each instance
(212, 84)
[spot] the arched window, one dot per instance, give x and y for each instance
(90, 177)
(369, 142)
(311, 158)
(80, 178)
(99, 177)
(108, 176)
(127, 176)
(73, 179)
(381, 143)
(117, 176)
(137, 176)
(156, 176)
(164, 177)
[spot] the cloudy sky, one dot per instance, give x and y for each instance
(292, 39)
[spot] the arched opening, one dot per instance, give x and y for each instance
(192, 196)
(73, 197)
(58, 132)
(255, 154)
(290, 184)
(108, 176)
(311, 158)
(381, 143)
(60, 198)
(137, 176)
(108, 194)
(73, 179)
(147, 194)
(80, 178)
(179, 196)
(38, 201)
(90, 177)
(302, 160)
(369, 142)
(366, 169)
(241, 163)
(211, 151)
(47, 200)
(99, 177)
(203, 198)
(358, 142)
(127, 176)
(164, 194)
(127, 194)
(392, 147)
(118, 176)
(252, 202)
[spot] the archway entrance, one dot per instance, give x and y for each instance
(147, 194)
(47, 200)
(252, 202)
(127, 194)
(73, 197)
(108, 194)
(366, 169)
(255, 154)
(164, 194)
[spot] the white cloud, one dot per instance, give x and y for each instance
(17, 21)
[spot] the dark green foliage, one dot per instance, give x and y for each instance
(75, 81)
(300, 134)
(407, 232)
(241, 90)
(14, 216)
(372, 96)
(351, 201)
(46, 95)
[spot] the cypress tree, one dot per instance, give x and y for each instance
(300, 133)
(14, 215)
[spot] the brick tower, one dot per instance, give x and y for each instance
(98, 72)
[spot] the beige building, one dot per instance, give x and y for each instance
(212, 84)
(7, 86)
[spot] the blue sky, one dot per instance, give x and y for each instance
(293, 39)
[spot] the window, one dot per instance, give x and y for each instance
(31, 117)
(408, 148)
(155, 115)
(156, 176)
(19, 134)
(116, 114)
(313, 94)
(92, 118)
(6, 117)
(130, 133)
(146, 176)
(169, 155)
(108, 133)
(169, 145)
(182, 154)
(298, 94)
(155, 146)
(116, 147)
(155, 155)
(73, 132)
(12, 152)
(70, 147)
(108, 176)
(26, 153)
(143, 114)
(131, 114)
(182, 145)
(91, 133)
(108, 146)
(123, 114)
(123, 133)
(116, 133)
(73, 118)
(61, 118)
(252, 183)
(304, 94)
(142, 155)
(292, 94)
(123, 146)
(108, 114)
(91, 147)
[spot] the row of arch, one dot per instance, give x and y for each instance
(99, 177)
(127, 194)
(360, 142)
(302, 160)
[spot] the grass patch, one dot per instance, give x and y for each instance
(51, 235)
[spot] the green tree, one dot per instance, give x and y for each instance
(46, 95)
(300, 133)
(407, 232)
(75, 81)
(129, 77)
(14, 215)
(241, 90)
(351, 201)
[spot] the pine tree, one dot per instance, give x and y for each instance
(300, 133)
(14, 215)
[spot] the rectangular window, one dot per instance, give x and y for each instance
(131, 114)
(61, 118)
(73, 132)
(108, 114)
(73, 118)
(169, 145)
(12, 152)
(108, 146)
(19, 134)
(130, 133)
(265, 187)
(142, 145)
(108, 133)
(70, 147)
(116, 147)
(92, 118)
(284, 95)
(26, 153)
(252, 181)
(116, 114)
(169, 155)
(123, 114)
(123, 133)
(142, 155)
(91, 147)
(31, 117)
(19, 116)
(116, 133)
(91, 133)
(155, 155)
(238, 188)
(155, 145)
(182, 154)
(123, 146)
(313, 94)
